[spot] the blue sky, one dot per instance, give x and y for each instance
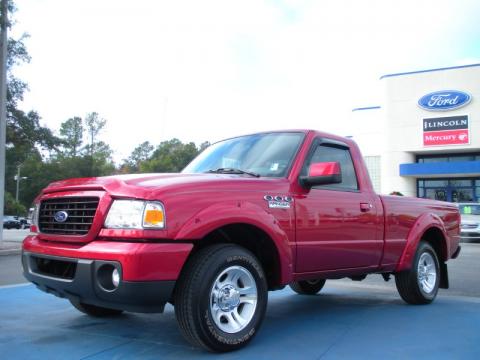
(205, 70)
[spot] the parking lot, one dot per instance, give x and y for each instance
(347, 320)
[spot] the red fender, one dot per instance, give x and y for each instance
(423, 223)
(227, 213)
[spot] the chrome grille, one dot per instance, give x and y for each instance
(80, 212)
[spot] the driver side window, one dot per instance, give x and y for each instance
(340, 154)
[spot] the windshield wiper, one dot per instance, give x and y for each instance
(232, 171)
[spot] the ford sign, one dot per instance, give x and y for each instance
(444, 100)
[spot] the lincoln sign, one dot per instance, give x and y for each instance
(451, 130)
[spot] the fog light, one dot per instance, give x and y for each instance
(108, 277)
(115, 278)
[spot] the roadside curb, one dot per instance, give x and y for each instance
(10, 252)
(10, 248)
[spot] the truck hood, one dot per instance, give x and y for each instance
(149, 186)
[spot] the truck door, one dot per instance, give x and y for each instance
(336, 224)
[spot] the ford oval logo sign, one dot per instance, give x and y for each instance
(60, 216)
(444, 100)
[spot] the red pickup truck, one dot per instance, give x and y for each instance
(248, 215)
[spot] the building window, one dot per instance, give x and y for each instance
(453, 190)
(373, 166)
(424, 159)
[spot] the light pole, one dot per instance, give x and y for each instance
(18, 178)
(3, 100)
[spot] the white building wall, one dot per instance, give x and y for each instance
(395, 132)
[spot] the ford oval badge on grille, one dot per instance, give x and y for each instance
(60, 216)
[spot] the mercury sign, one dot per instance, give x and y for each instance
(451, 130)
(444, 100)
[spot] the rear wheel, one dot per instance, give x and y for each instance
(308, 287)
(419, 285)
(221, 298)
(96, 311)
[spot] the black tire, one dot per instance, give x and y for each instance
(408, 282)
(195, 298)
(308, 287)
(96, 311)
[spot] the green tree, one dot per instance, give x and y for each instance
(97, 153)
(170, 156)
(203, 146)
(72, 135)
(139, 155)
(25, 136)
(11, 207)
(94, 125)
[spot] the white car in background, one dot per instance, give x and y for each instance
(470, 222)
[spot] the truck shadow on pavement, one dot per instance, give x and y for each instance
(338, 324)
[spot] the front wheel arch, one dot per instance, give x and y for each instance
(254, 240)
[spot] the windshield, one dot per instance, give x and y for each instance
(267, 155)
(473, 209)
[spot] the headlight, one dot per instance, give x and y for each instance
(135, 214)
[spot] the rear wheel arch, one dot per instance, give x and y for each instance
(428, 227)
(435, 237)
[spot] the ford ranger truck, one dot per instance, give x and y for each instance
(249, 215)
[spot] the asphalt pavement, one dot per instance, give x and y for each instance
(338, 323)
(347, 320)
(12, 240)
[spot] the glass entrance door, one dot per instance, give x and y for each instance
(436, 194)
(452, 190)
(462, 195)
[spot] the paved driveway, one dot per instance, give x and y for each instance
(343, 322)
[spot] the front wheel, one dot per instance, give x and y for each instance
(308, 287)
(419, 285)
(221, 298)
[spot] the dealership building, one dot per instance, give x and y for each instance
(423, 138)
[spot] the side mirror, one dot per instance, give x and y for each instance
(322, 173)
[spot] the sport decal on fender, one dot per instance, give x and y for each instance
(278, 202)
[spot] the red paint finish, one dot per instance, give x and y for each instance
(333, 232)
(321, 233)
(408, 219)
(140, 261)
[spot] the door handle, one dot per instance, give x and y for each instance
(364, 207)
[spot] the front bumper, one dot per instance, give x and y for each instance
(78, 273)
(85, 287)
